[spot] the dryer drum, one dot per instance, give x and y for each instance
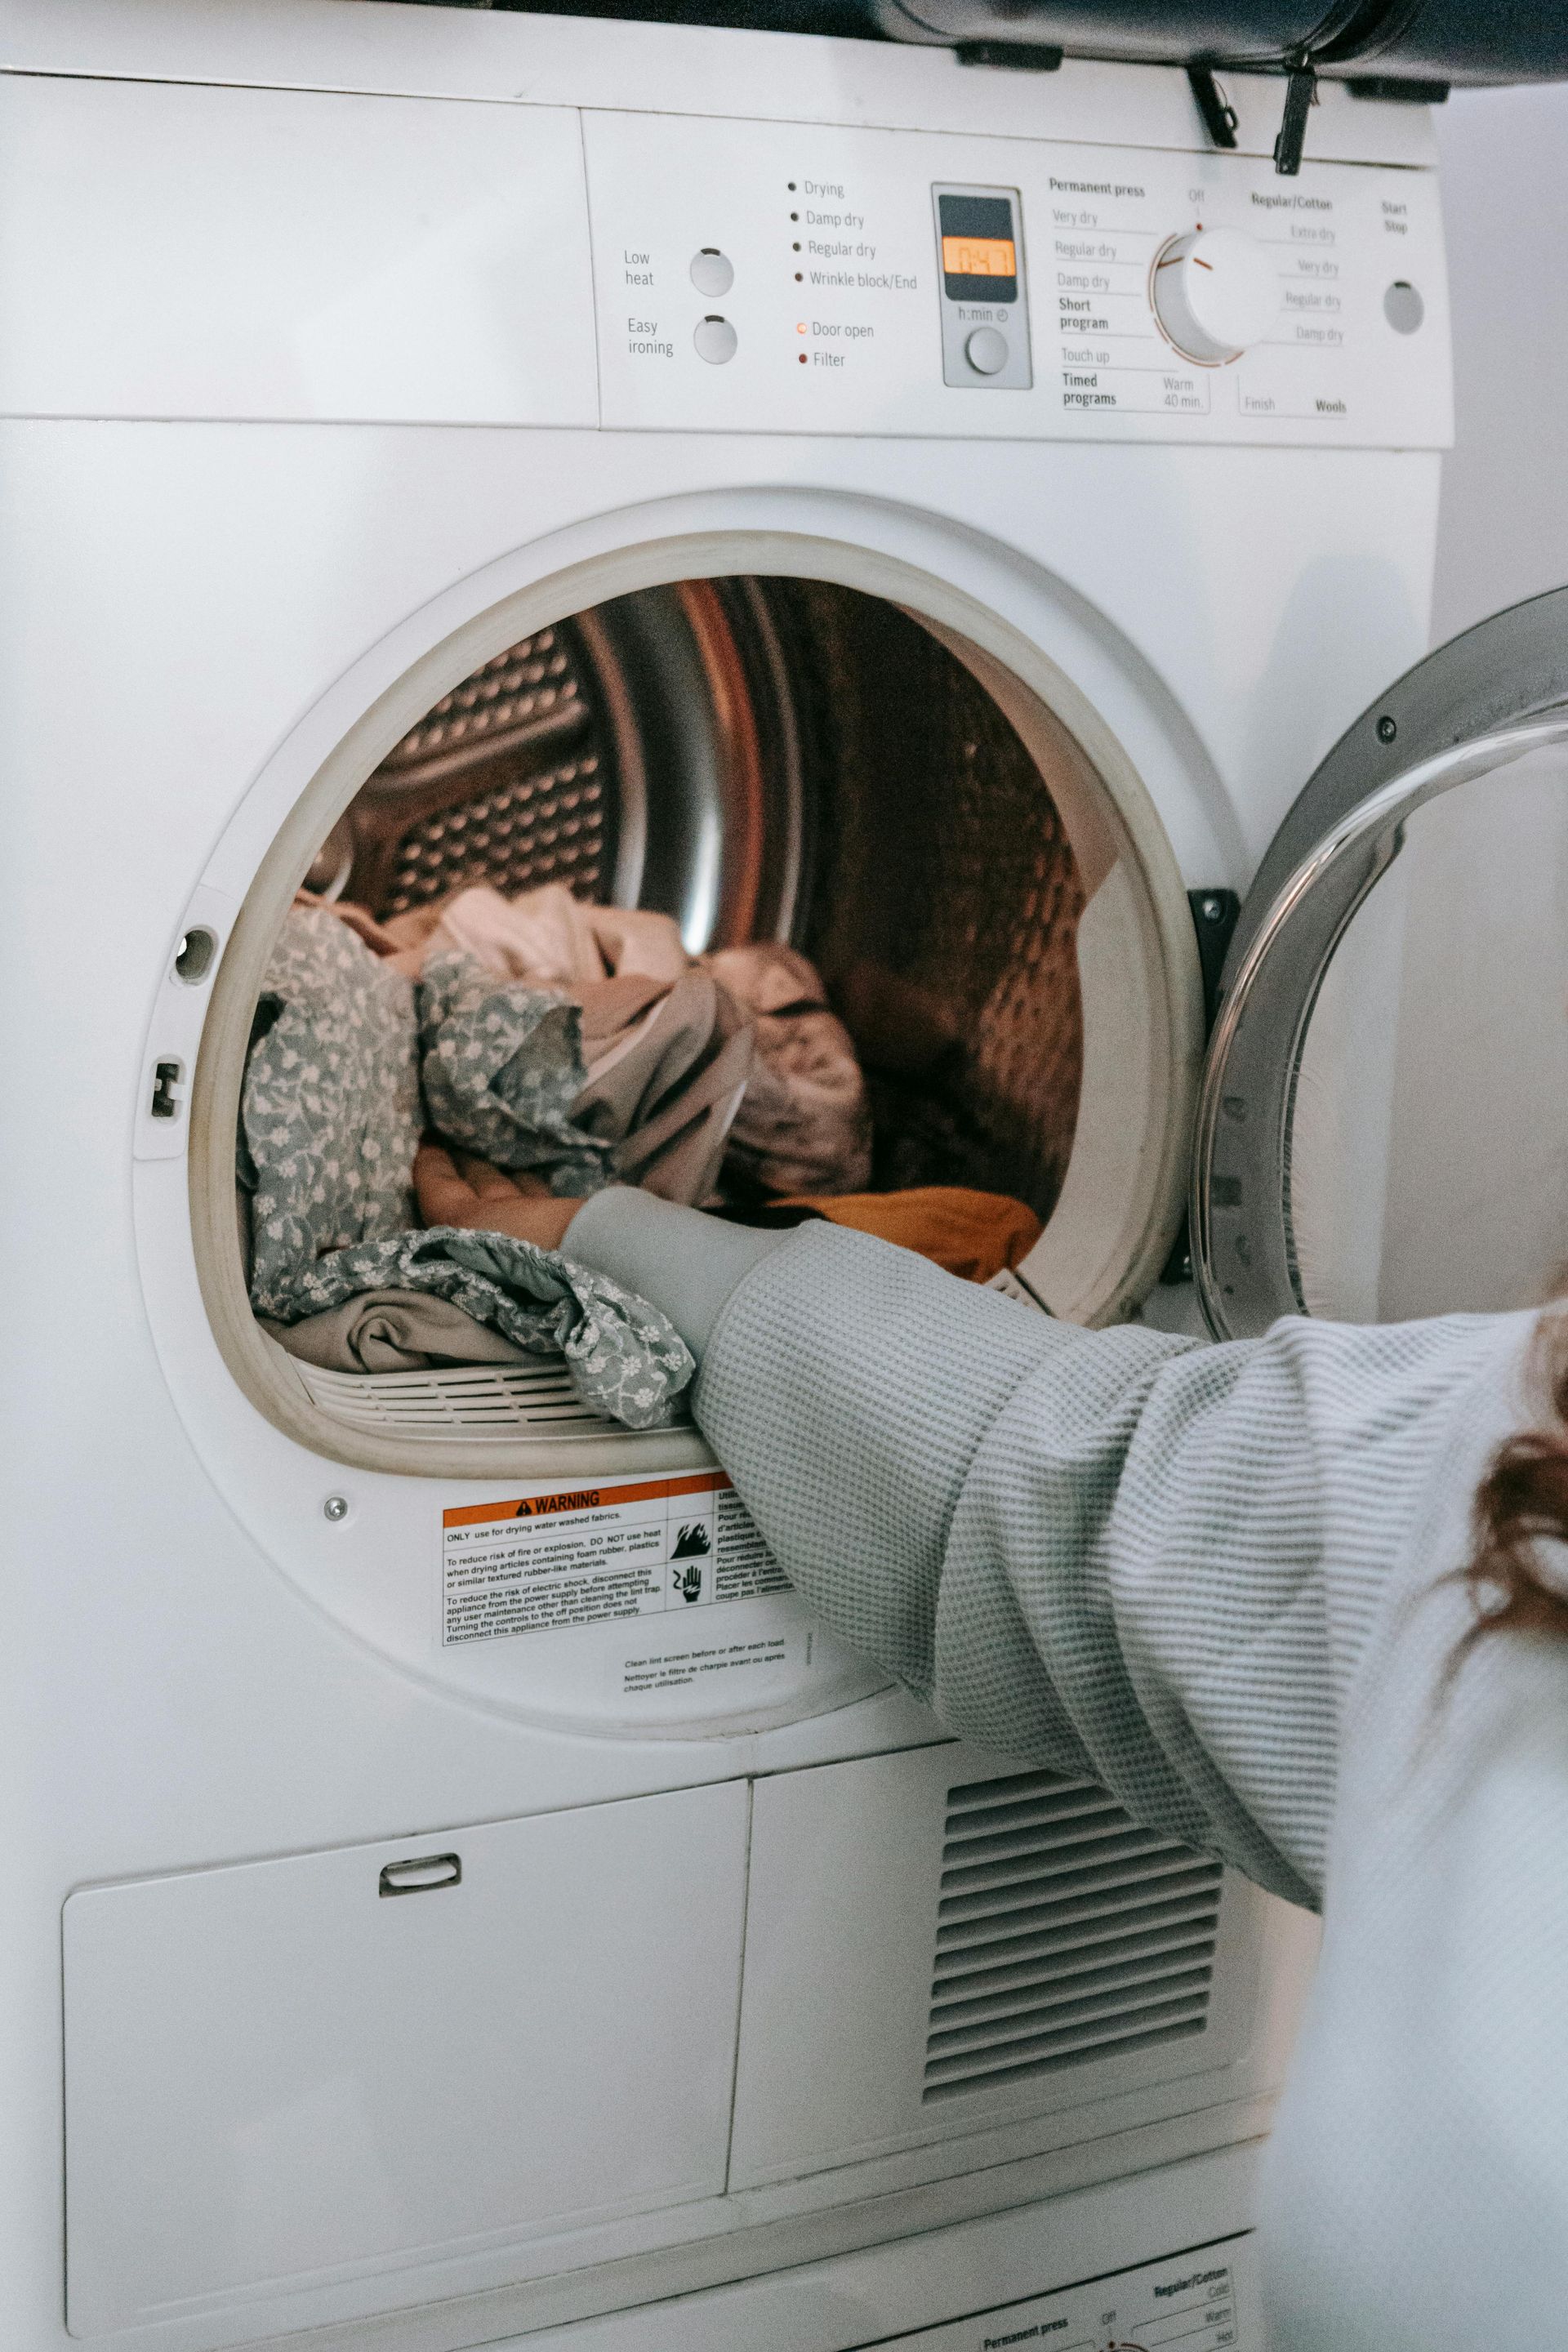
(766, 757)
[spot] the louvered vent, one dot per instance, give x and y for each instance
(1065, 1935)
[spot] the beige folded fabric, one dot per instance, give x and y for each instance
(790, 1111)
(805, 1125)
(392, 1331)
(544, 935)
(667, 1091)
(634, 940)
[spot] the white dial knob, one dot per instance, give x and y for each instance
(1215, 291)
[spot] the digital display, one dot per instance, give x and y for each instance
(979, 256)
(979, 248)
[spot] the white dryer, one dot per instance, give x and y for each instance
(817, 489)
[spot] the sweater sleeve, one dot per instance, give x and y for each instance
(1145, 1559)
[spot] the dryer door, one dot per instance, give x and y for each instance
(1380, 1130)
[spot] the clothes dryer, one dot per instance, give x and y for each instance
(817, 491)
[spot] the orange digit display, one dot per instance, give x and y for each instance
(979, 256)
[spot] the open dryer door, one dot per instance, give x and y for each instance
(1449, 1033)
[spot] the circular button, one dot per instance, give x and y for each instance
(1403, 306)
(1215, 291)
(712, 272)
(716, 341)
(986, 352)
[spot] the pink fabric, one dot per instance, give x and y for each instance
(805, 1123)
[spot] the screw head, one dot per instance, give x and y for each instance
(335, 1508)
(1212, 910)
(1387, 728)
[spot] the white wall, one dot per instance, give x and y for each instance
(1476, 1213)
(1504, 534)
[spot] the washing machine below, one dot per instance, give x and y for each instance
(392, 513)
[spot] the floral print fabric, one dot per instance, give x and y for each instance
(625, 1360)
(329, 1121)
(502, 1065)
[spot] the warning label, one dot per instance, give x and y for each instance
(593, 1555)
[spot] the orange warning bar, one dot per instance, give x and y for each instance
(585, 1498)
(979, 256)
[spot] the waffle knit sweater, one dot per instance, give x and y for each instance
(1220, 1579)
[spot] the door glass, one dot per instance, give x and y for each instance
(1429, 1127)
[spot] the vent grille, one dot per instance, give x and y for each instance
(1065, 1934)
(465, 1400)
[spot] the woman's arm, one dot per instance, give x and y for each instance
(1124, 1555)
(1148, 1559)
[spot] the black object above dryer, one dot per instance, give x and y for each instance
(1412, 49)
(1385, 41)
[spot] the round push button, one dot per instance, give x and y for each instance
(712, 272)
(986, 352)
(1403, 306)
(716, 341)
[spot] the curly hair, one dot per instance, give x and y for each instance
(1522, 1504)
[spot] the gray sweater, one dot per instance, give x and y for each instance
(1221, 1579)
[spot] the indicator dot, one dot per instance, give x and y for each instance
(802, 357)
(794, 215)
(799, 275)
(796, 247)
(791, 187)
(800, 326)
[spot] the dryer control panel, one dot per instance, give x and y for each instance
(1204, 2301)
(768, 276)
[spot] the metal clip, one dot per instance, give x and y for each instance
(1301, 97)
(1219, 116)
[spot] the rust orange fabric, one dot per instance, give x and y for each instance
(972, 1234)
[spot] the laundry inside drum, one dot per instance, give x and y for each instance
(782, 809)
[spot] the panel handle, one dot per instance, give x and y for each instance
(421, 1874)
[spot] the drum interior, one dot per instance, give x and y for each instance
(767, 758)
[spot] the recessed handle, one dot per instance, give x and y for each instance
(422, 1874)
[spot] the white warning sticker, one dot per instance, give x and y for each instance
(668, 1661)
(593, 1555)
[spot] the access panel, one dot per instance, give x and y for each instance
(179, 251)
(292, 2073)
(1014, 1949)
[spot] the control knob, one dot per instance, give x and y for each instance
(1215, 292)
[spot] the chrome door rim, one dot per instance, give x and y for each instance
(1244, 1260)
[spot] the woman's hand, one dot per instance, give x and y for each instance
(472, 1193)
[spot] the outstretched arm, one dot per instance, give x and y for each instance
(1124, 1555)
